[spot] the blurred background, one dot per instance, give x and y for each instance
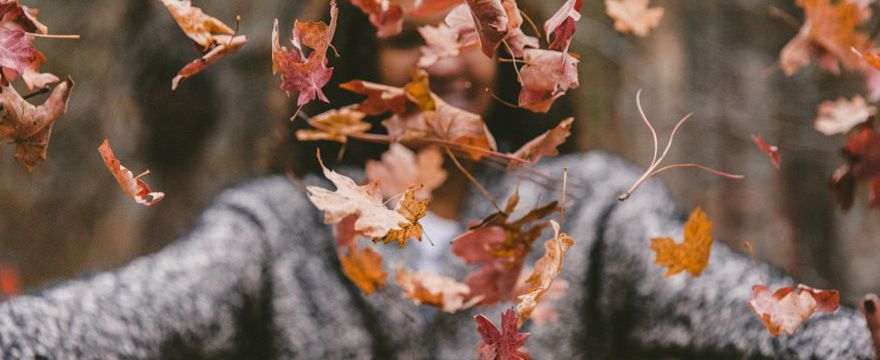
(711, 57)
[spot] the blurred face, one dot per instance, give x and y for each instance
(461, 81)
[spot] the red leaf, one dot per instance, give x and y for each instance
(501, 345)
(132, 185)
(546, 76)
(300, 73)
(18, 55)
(562, 25)
(385, 15)
(787, 308)
(771, 150)
(490, 20)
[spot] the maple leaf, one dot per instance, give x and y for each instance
(547, 268)
(385, 15)
(504, 344)
(562, 25)
(787, 308)
(132, 185)
(401, 168)
(459, 126)
(692, 254)
(546, 76)
(771, 150)
(29, 126)
(424, 287)
(365, 202)
(543, 145)
(633, 16)
(380, 98)
(413, 210)
(441, 42)
(18, 55)
(306, 75)
(490, 21)
(216, 38)
(335, 125)
(363, 266)
(839, 117)
(829, 33)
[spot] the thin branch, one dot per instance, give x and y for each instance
(473, 180)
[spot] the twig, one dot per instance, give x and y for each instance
(473, 180)
(60, 37)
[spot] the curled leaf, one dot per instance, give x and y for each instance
(18, 56)
(633, 16)
(363, 266)
(562, 25)
(29, 126)
(401, 168)
(544, 145)
(431, 289)
(547, 268)
(132, 185)
(546, 76)
(335, 125)
(490, 20)
(771, 150)
(693, 253)
(840, 116)
(787, 308)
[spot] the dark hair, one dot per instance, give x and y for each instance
(358, 46)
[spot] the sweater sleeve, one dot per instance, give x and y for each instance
(629, 310)
(199, 297)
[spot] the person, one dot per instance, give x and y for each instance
(258, 276)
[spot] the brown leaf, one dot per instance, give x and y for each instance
(787, 308)
(546, 76)
(490, 20)
(543, 145)
(385, 15)
(427, 288)
(562, 25)
(693, 253)
(413, 210)
(363, 266)
(839, 117)
(132, 185)
(401, 168)
(380, 98)
(30, 126)
(547, 268)
(335, 125)
(215, 54)
(633, 16)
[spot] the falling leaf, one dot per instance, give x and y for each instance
(363, 266)
(385, 15)
(413, 210)
(365, 202)
(441, 42)
(423, 287)
(136, 188)
(418, 91)
(862, 153)
(29, 126)
(501, 345)
(335, 125)
(490, 20)
(771, 150)
(633, 16)
(562, 25)
(543, 145)
(344, 231)
(380, 98)
(300, 73)
(215, 38)
(547, 268)
(787, 308)
(459, 126)
(829, 33)
(19, 56)
(546, 76)
(692, 254)
(401, 168)
(839, 117)
(430, 7)
(516, 39)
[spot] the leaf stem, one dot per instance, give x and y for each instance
(48, 36)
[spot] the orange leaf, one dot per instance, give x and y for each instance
(543, 145)
(363, 266)
(787, 308)
(829, 33)
(30, 126)
(547, 268)
(692, 254)
(335, 125)
(413, 210)
(136, 188)
(305, 74)
(431, 289)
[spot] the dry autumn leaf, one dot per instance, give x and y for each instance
(29, 126)
(633, 16)
(501, 345)
(132, 185)
(547, 268)
(385, 15)
(431, 289)
(215, 38)
(516, 39)
(543, 145)
(862, 153)
(363, 266)
(301, 73)
(562, 25)
(365, 202)
(401, 168)
(18, 55)
(829, 33)
(490, 20)
(787, 308)
(380, 98)
(546, 76)
(771, 150)
(335, 125)
(413, 210)
(693, 253)
(839, 117)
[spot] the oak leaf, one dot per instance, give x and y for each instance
(693, 253)
(301, 73)
(543, 145)
(504, 344)
(413, 210)
(787, 308)
(562, 25)
(547, 268)
(363, 266)
(335, 125)
(546, 76)
(365, 202)
(29, 126)
(633, 16)
(401, 168)
(771, 150)
(423, 287)
(840, 116)
(132, 185)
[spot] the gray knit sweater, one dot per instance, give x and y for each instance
(258, 278)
